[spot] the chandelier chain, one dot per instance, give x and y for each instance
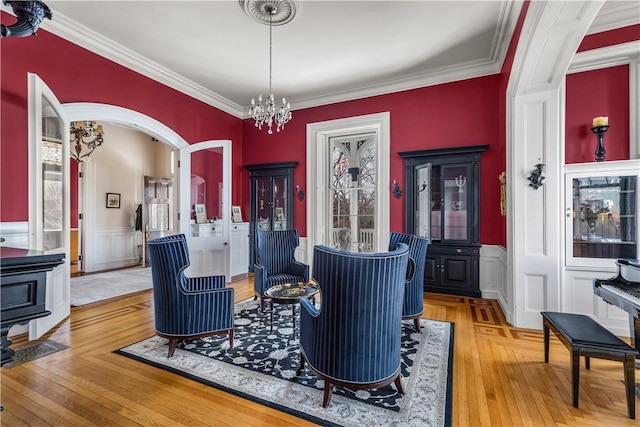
(269, 112)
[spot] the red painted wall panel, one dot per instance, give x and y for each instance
(610, 38)
(591, 94)
(77, 75)
(448, 115)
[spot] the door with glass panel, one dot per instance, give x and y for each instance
(49, 206)
(157, 210)
(205, 206)
(352, 197)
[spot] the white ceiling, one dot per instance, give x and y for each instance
(332, 50)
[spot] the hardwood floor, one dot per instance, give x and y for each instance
(500, 377)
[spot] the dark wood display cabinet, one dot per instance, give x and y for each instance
(271, 201)
(443, 204)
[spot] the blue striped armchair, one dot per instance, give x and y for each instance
(186, 307)
(413, 304)
(353, 339)
(275, 263)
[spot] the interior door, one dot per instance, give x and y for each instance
(156, 210)
(49, 207)
(205, 211)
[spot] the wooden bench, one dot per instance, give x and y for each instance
(583, 336)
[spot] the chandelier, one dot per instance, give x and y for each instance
(276, 12)
(87, 136)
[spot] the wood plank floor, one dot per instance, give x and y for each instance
(500, 377)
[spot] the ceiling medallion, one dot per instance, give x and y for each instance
(280, 11)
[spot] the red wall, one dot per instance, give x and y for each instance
(447, 115)
(77, 75)
(610, 38)
(591, 94)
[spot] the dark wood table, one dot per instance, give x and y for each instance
(291, 293)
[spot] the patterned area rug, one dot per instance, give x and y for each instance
(101, 286)
(262, 367)
(33, 352)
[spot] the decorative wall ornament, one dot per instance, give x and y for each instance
(397, 192)
(300, 193)
(503, 193)
(30, 14)
(536, 177)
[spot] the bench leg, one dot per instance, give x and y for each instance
(546, 343)
(630, 384)
(575, 375)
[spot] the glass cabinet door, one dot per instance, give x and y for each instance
(263, 205)
(604, 217)
(422, 187)
(279, 203)
(454, 203)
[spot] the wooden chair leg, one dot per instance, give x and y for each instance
(328, 392)
(173, 342)
(416, 323)
(398, 384)
(575, 375)
(230, 338)
(630, 384)
(302, 360)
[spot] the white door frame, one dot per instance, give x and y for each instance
(80, 111)
(318, 152)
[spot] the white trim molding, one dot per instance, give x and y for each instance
(493, 276)
(318, 152)
(15, 234)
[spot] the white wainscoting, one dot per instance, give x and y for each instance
(578, 297)
(493, 277)
(15, 234)
(114, 247)
(301, 252)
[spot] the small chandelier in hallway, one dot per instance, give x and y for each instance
(273, 12)
(86, 136)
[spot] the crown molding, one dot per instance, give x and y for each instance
(85, 37)
(615, 15)
(604, 57)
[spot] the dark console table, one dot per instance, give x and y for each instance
(23, 282)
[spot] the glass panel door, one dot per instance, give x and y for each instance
(49, 205)
(353, 180)
(423, 201)
(205, 211)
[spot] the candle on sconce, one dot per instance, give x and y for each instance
(600, 121)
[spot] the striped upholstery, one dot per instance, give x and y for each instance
(353, 339)
(412, 306)
(275, 263)
(186, 306)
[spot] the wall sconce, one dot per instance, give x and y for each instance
(30, 14)
(503, 193)
(300, 193)
(397, 192)
(600, 126)
(536, 177)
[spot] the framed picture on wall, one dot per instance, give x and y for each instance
(113, 200)
(236, 214)
(201, 213)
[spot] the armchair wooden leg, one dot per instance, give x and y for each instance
(230, 338)
(416, 323)
(173, 342)
(301, 367)
(328, 392)
(398, 384)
